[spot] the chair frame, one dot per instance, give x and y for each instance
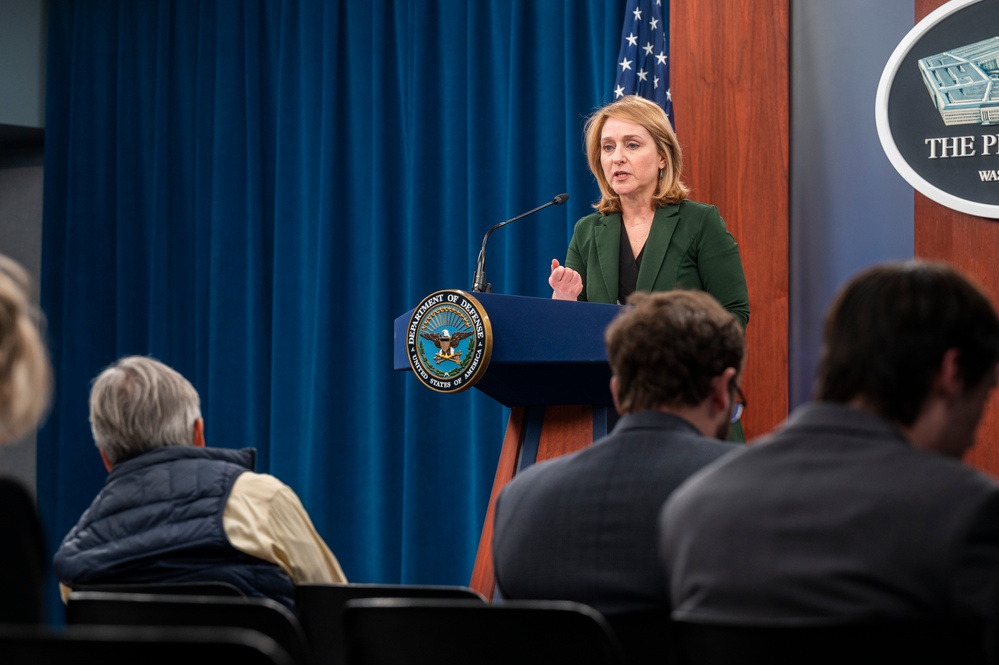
(445, 632)
(912, 642)
(126, 645)
(320, 609)
(264, 615)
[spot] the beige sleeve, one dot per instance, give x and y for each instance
(265, 518)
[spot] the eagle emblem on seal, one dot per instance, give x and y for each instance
(446, 342)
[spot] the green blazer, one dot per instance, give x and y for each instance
(688, 248)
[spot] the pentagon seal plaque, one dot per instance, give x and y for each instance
(449, 340)
(937, 107)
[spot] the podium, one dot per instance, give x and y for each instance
(549, 366)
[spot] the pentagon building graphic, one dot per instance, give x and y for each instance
(964, 83)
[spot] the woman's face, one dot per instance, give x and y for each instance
(630, 159)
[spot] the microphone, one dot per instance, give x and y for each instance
(479, 284)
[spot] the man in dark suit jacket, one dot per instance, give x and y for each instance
(859, 507)
(582, 527)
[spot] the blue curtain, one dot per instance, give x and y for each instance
(253, 191)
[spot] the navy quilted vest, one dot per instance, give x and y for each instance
(159, 519)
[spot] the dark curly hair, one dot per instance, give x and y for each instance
(666, 347)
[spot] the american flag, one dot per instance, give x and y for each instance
(643, 63)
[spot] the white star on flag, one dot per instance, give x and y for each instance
(644, 70)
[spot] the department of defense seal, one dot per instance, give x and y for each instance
(449, 341)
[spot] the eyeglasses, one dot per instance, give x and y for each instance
(740, 405)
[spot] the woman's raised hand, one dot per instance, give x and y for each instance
(566, 283)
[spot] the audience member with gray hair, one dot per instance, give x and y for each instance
(25, 386)
(155, 519)
(139, 404)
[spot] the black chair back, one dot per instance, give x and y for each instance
(915, 643)
(645, 636)
(169, 588)
(397, 631)
(134, 609)
(128, 645)
(320, 609)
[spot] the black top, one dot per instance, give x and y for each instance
(23, 564)
(628, 271)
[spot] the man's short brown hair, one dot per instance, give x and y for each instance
(888, 329)
(666, 347)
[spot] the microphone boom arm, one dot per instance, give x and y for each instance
(479, 284)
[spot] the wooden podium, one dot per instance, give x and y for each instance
(549, 365)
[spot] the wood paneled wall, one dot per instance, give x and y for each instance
(972, 244)
(729, 74)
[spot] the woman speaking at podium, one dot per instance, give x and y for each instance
(646, 234)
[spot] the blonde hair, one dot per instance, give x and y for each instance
(25, 372)
(649, 115)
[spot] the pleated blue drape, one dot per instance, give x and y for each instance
(253, 191)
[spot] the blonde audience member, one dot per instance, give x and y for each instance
(25, 386)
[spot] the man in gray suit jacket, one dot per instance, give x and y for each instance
(582, 527)
(858, 508)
